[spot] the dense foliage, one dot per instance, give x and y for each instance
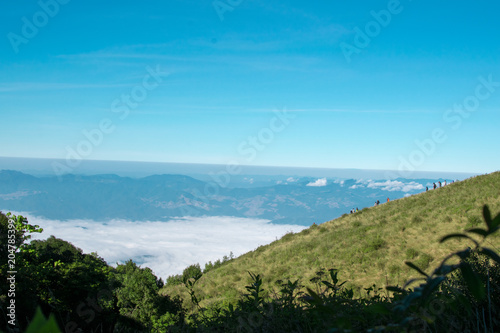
(80, 290)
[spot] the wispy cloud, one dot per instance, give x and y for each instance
(165, 247)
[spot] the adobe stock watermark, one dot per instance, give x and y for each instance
(121, 106)
(248, 150)
(222, 6)
(31, 26)
(11, 278)
(372, 29)
(454, 117)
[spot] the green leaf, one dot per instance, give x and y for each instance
(432, 285)
(473, 282)
(490, 253)
(395, 289)
(487, 216)
(478, 231)
(315, 298)
(412, 265)
(495, 224)
(328, 284)
(411, 281)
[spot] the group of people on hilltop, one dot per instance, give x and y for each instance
(355, 210)
(378, 202)
(434, 185)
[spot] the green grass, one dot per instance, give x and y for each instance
(368, 248)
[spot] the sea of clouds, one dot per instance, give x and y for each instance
(165, 247)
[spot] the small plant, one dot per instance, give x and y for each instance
(413, 303)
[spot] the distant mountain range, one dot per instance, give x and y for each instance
(300, 200)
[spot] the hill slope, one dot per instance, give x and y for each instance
(368, 247)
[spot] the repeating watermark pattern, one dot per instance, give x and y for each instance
(224, 6)
(254, 321)
(121, 106)
(248, 149)
(89, 309)
(11, 273)
(454, 117)
(372, 29)
(30, 28)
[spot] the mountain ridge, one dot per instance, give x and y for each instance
(162, 197)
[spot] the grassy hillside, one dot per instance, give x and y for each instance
(367, 248)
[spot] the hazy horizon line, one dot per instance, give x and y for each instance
(148, 168)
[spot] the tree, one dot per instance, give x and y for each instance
(139, 301)
(191, 272)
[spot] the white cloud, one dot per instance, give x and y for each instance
(291, 179)
(165, 247)
(319, 182)
(355, 186)
(395, 185)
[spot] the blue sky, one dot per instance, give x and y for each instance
(365, 84)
